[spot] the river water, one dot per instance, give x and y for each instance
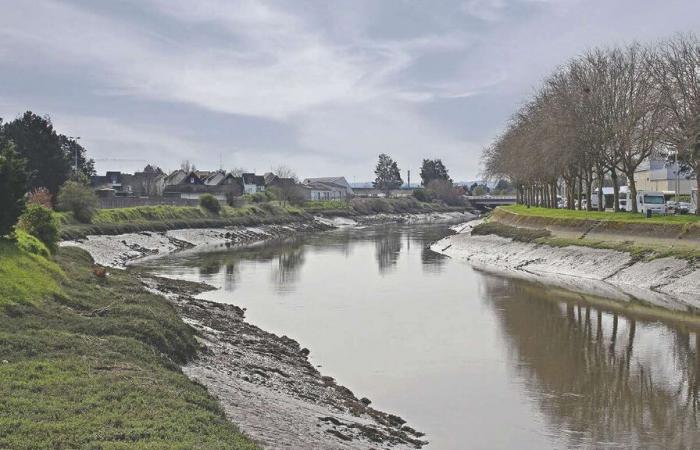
(471, 359)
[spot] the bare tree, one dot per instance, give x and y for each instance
(676, 70)
(283, 171)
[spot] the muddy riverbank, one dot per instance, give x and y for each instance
(669, 282)
(268, 387)
(119, 250)
(265, 382)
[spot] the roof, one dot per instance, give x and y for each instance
(251, 178)
(215, 179)
(322, 186)
(175, 177)
(331, 181)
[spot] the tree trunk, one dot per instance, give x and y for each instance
(616, 190)
(697, 185)
(633, 194)
(601, 197)
(589, 189)
(580, 191)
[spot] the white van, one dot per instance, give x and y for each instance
(650, 201)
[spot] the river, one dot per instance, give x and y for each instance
(471, 359)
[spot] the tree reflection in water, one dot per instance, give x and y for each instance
(286, 272)
(593, 381)
(387, 248)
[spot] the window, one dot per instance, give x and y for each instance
(653, 199)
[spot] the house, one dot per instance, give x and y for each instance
(180, 177)
(328, 188)
(110, 180)
(272, 180)
(659, 175)
(223, 186)
(149, 183)
(253, 183)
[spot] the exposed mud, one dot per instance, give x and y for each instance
(268, 387)
(119, 250)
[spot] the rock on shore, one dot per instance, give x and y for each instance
(668, 282)
(268, 387)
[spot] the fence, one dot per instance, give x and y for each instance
(129, 202)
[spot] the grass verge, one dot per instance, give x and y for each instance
(624, 217)
(163, 218)
(94, 363)
(641, 252)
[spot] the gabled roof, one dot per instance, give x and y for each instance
(180, 177)
(251, 178)
(337, 181)
(215, 179)
(322, 186)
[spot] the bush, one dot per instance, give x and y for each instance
(421, 195)
(41, 223)
(40, 196)
(28, 243)
(210, 203)
(259, 197)
(78, 199)
(444, 191)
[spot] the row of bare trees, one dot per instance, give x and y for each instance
(596, 119)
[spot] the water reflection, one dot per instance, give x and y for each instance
(289, 262)
(387, 249)
(601, 378)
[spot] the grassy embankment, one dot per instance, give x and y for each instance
(644, 239)
(89, 362)
(161, 218)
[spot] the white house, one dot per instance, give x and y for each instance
(328, 188)
(253, 183)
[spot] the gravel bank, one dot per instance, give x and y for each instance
(668, 282)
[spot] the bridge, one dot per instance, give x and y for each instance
(490, 201)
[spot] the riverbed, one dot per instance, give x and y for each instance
(471, 359)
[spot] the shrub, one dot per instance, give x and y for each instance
(78, 199)
(259, 197)
(41, 223)
(210, 203)
(28, 243)
(421, 195)
(444, 191)
(40, 196)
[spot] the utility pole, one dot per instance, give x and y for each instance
(76, 139)
(409, 178)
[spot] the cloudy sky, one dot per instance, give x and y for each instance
(320, 86)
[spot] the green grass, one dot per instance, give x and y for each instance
(26, 277)
(638, 251)
(327, 204)
(94, 363)
(162, 218)
(597, 215)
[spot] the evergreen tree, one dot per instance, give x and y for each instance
(388, 174)
(433, 169)
(38, 144)
(13, 186)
